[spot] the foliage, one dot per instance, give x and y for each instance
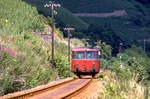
(133, 59)
(137, 61)
(59, 34)
(62, 67)
(88, 6)
(64, 17)
(29, 67)
(105, 33)
(16, 17)
(105, 49)
(61, 48)
(122, 89)
(24, 56)
(129, 75)
(78, 42)
(129, 29)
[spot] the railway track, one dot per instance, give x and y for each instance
(56, 90)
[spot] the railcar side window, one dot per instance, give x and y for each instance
(78, 55)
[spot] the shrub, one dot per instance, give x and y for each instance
(105, 49)
(62, 67)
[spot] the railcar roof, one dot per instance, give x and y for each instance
(85, 49)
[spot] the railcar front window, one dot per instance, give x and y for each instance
(91, 55)
(79, 55)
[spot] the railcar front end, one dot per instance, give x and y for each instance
(85, 61)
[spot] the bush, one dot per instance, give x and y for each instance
(105, 49)
(129, 75)
(62, 67)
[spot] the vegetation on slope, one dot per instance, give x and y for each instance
(17, 16)
(131, 29)
(64, 17)
(129, 77)
(24, 56)
(95, 6)
(116, 88)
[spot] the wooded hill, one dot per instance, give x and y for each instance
(131, 28)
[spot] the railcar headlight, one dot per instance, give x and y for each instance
(94, 63)
(77, 63)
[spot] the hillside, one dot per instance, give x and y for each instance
(64, 16)
(144, 1)
(134, 26)
(131, 28)
(25, 49)
(25, 56)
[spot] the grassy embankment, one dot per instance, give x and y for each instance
(129, 82)
(25, 57)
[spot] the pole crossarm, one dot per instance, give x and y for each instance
(69, 29)
(52, 4)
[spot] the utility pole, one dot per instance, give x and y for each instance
(69, 35)
(53, 12)
(120, 47)
(144, 45)
(120, 57)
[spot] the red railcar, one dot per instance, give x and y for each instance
(85, 61)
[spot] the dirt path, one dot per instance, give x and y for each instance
(46, 35)
(116, 13)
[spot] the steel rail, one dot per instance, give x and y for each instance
(64, 91)
(34, 91)
(76, 92)
(54, 90)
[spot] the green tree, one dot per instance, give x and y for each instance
(105, 49)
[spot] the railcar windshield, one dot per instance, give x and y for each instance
(85, 55)
(78, 55)
(91, 55)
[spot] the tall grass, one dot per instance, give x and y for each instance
(29, 68)
(17, 17)
(31, 65)
(25, 57)
(122, 89)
